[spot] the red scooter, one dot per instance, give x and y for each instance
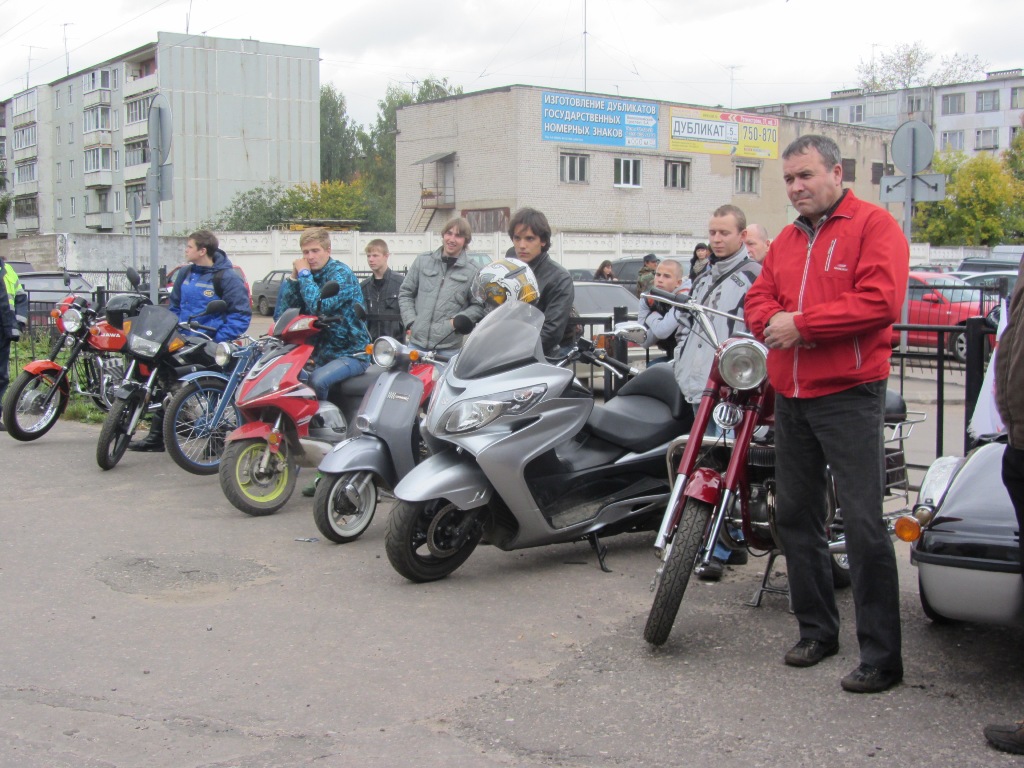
(285, 425)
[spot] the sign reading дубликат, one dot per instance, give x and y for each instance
(716, 132)
(581, 118)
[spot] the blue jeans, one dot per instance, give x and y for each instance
(337, 370)
(721, 552)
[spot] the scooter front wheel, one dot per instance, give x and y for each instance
(115, 434)
(677, 565)
(344, 504)
(427, 540)
(252, 485)
(26, 413)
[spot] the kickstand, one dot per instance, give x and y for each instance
(767, 586)
(600, 550)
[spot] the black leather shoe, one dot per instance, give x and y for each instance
(146, 446)
(1009, 738)
(807, 652)
(869, 679)
(712, 571)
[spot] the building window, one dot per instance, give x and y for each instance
(677, 174)
(25, 207)
(24, 103)
(951, 140)
(136, 111)
(878, 171)
(97, 159)
(988, 101)
(849, 169)
(857, 113)
(56, 99)
(574, 169)
(96, 119)
(25, 172)
(85, 204)
(802, 113)
(69, 95)
(71, 133)
(987, 138)
(56, 134)
(60, 209)
(25, 137)
(96, 80)
(136, 189)
(748, 179)
(117, 160)
(915, 104)
(1014, 132)
(830, 114)
(627, 172)
(60, 173)
(881, 105)
(1017, 98)
(136, 152)
(117, 201)
(71, 169)
(71, 203)
(953, 104)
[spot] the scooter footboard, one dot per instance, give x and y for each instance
(364, 453)
(448, 475)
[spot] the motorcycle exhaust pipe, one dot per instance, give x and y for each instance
(837, 547)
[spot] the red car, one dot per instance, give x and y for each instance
(937, 299)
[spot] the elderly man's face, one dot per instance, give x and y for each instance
(811, 185)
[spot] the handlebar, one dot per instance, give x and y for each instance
(699, 310)
(601, 358)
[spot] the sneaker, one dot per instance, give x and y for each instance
(807, 652)
(1009, 738)
(310, 490)
(712, 571)
(868, 679)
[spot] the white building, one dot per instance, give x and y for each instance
(244, 112)
(980, 116)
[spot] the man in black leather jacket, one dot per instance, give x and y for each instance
(380, 294)
(531, 238)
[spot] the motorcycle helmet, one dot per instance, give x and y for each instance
(504, 280)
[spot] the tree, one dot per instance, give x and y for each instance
(326, 200)
(5, 199)
(984, 203)
(339, 137)
(906, 67)
(255, 209)
(378, 164)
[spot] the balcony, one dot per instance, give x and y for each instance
(101, 220)
(95, 98)
(23, 118)
(135, 86)
(143, 218)
(26, 224)
(135, 172)
(135, 130)
(98, 179)
(440, 198)
(97, 138)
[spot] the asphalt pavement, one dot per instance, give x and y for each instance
(146, 622)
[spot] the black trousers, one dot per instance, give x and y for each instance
(844, 431)
(1013, 479)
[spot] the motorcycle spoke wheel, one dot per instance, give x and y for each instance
(114, 435)
(677, 565)
(26, 413)
(427, 540)
(344, 504)
(193, 441)
(249, 488)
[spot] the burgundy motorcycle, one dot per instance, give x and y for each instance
(727, 483)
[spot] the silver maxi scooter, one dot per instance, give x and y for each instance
(522, 456)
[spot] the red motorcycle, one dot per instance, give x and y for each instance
(727, 483)
(85, 359)
(285, 425)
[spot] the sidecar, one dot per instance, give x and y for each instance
(967, 549)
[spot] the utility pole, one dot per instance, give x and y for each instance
(67, 58)
(584, 45)
(732, 79)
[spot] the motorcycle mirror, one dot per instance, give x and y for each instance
(631, 331)
(217, 307)
(462, 324)
(67, 279)
(329, 289)
(133, 277)
(360, 311)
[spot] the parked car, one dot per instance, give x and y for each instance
(600, 299)
(21, 267)
(264, 291)
(627, 269)
(582, 275)
(1003, 264)
(964, 536)
(45, 289)
(936, 299)
(996, 284)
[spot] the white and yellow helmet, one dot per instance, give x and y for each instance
(504, 280)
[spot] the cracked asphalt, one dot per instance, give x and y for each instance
(146, 622)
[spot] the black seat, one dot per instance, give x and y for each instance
(895, 407)
(355, 386)
(648, 411)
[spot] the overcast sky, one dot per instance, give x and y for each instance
(717, 52)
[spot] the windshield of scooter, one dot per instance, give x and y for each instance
(507, 338)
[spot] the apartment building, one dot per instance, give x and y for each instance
(77, 150)
(979, 116)
(601, 163)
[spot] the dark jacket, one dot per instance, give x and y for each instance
(557, 296)
(13, 303)
(194, 288)
(344, 338)
(1010, 367)
(383, 314)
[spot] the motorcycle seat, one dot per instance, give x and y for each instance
(355, 386)
(895, 407)
(648, 411)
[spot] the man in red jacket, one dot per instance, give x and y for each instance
(830, 289)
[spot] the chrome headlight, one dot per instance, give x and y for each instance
(72, 320)
(385, 351)
(223, 354)
(473, 414)
(743, 363)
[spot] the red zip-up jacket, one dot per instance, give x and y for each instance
(848, 279)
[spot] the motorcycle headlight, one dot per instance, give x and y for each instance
(385, 352)
(269, 383)
(473, 414)
(72, 320)
(143, 347)
(223, 354)
(743, 363)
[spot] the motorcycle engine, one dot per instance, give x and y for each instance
(761, 473)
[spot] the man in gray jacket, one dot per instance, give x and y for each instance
(439, 286)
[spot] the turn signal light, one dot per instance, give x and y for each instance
(369, 349)
(414, 355)
(907, 528)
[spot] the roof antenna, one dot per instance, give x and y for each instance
(188, 15)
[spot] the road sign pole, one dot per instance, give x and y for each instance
(153, 190)
(908, 202)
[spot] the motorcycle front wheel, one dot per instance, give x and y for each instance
(254, 490)
(26, 413)
(427, 540)
(344, 504)
(115, 434)
(677, 564)
(193, 441)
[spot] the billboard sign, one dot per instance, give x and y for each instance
(713, 132)
(583, 118)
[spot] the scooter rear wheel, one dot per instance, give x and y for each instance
(678, 562)
(24, 414)
(335, 514)
(427, 540)
(252, 490)
(114, 435)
